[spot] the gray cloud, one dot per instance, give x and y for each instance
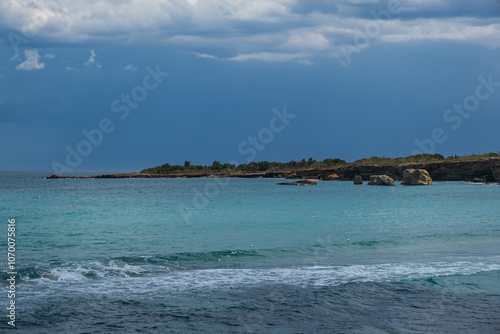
(271, 30)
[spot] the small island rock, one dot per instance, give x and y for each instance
(380, 180)
(308, 182)
(416, 177)
(358, 179)
(300, 183)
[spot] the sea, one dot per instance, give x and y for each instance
(233, 255)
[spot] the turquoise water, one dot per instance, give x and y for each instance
(246, 255)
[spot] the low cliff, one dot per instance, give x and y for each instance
(495, 168)
(438, 171)
(487, 170)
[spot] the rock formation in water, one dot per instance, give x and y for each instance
(300, 183)
(358, 179)
(380, 180)
(416, 177)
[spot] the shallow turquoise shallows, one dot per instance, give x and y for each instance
(249, 256)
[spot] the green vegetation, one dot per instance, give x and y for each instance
(420, 158)
(252, 167)
(385, 161)
(472, 157)
(266, 166)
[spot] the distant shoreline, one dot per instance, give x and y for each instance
(484, 170)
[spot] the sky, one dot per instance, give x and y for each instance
(130, 84)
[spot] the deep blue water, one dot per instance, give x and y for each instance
(248, 256)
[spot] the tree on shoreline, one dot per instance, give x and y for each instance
(266, 166)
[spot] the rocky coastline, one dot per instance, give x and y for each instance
(487, 170)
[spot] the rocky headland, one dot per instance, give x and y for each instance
(486, 170)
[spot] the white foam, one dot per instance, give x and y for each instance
(63, 274)
(93, 270)
(325, 275)
(162, 279)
